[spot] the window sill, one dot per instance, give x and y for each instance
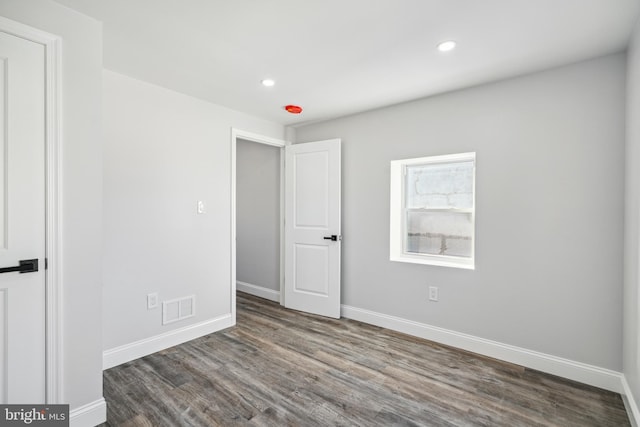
(435, 261)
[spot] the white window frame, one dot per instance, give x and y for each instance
(398, 218)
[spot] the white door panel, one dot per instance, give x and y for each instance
(22, 219)
(312, 215)
(311, 272)
(311, 190)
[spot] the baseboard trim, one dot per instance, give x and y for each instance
(125, 353)
(577, 371)
(89, 415)
(630, 403)
(258, 291)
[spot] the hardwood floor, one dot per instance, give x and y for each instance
(284, 368)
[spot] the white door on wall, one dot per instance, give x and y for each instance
(312, 227)
(22, 220)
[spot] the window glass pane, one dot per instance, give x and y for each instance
(439, 233)
(440, 185)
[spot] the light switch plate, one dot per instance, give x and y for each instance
(152, 301)
(433, 293)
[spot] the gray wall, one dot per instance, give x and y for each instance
(258, 214)
(549, 216)
(632, 220)
(164, 151)
(81, 189)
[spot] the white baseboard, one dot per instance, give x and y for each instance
(258, 291)
(89, 415)
(125, 353)
(577, 371)
(630, 403)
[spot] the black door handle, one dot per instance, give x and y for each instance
(333, 238)
(26, 266)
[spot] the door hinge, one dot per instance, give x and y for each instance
(46, 263)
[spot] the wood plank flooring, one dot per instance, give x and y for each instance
(284, 368)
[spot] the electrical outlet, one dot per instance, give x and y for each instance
(152, 301)
(433, 293)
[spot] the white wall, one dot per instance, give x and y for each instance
(632, 221)
(550, 150)
(258, 214)
(81, 189)
(164, 151)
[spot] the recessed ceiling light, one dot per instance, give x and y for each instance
(447, 46)
(268, 82)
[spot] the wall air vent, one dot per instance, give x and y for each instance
(178, 309)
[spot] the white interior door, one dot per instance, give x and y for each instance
(22, 220)
(312, 227)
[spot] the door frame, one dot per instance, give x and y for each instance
(53, 229)
(274, 142)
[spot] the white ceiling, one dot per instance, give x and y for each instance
(337, 57)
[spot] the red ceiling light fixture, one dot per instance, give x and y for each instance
(293, 109)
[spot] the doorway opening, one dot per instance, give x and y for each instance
(257, 216)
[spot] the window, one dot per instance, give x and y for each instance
(433, 210)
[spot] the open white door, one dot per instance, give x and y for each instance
(312, 227)
(22, 221)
